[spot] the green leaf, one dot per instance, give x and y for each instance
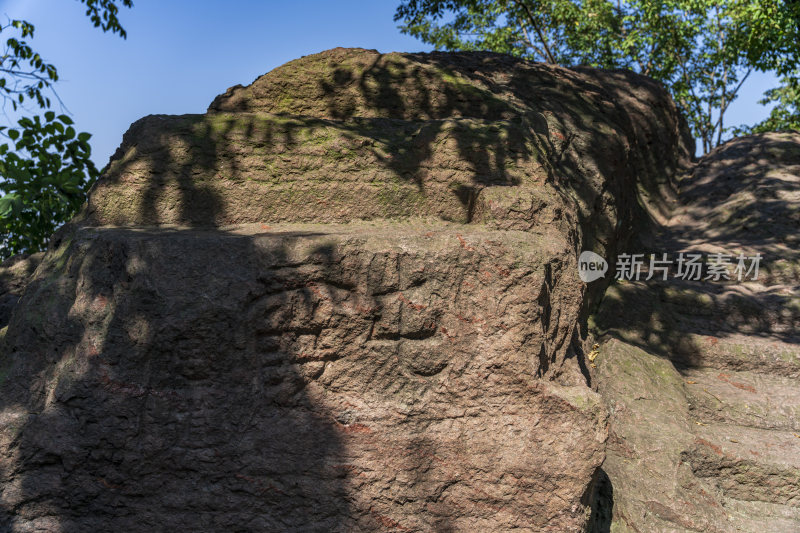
(65, 119)
(14, 134)
(10, 204)
(83, 136)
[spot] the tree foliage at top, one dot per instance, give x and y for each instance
(701, 50)
(46, 174)
(785, 116)
(45, 165)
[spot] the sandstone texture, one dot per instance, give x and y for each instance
(14, 276)
(308, 378)
(346, 298)
(702, 379)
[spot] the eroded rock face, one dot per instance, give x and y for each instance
(345, 299)
(702, 379)
(353, 134)
(14, 276)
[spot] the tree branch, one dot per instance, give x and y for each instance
(532, 21)
(726, 103)
(529, 43)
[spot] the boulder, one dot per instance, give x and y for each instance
(702, 378)
(346, 298)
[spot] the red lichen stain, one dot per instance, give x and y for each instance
(704, 442)
(429, 234)
(464, 244)
(91, 349)
(743, 386)
(559, 136)
(315, 290)
(99, 303)
(412, 305)
(446, 334)
(264, 226)
(709, 499)
(473, 320)
(120, 387)
(387, 522)
(713, 341)
(356, 428)
(365, 310)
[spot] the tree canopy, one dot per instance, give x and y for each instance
(45, 165)
(701, 50)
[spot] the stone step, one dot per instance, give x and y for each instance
(748, 463)
(736, 352)
(743, 399)
(748, 516)
(702, 325)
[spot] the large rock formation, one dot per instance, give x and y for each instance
(344, 299)
(702, 378)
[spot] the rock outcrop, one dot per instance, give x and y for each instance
(702, 378)
(344, 299)
(14, 276)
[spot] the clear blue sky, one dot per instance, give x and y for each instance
(179, 54)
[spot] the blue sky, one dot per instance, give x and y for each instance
(180, 54)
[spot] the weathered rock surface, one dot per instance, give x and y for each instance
(702, 379)
(344, 299)
(353, 134)
(14, 276)
(309, 378)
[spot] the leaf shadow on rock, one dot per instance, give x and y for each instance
(597, 134)
(739, 199)
(169, 389)
(128, 382)
(744, 194)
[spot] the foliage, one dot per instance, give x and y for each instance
(701, 50)
(45, 171)
(103, 14)
(26, 75)
(786, 114)
(554, 31)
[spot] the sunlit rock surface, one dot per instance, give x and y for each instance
(344, 299)
(702, 379)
